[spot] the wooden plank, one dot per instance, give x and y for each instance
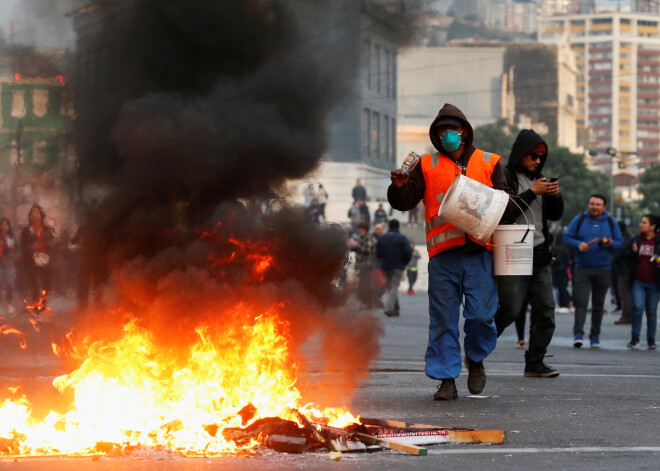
(477, 436)
(389, 443)
(458, 435)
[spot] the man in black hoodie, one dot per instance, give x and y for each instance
(460, 267)
(541, 200)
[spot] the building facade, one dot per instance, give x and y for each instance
(528, 84)
(618, 94)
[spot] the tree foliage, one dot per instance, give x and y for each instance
(576, 181)
(649, 187)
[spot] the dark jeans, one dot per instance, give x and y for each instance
(560, 281)
(412, 277)
(646, 297)
(625, 296)
(513, 294)
(586, 281)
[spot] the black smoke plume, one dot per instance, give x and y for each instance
(190, 113)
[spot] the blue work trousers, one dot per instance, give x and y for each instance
(456, 277)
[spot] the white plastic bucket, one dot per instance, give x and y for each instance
(473, 207)
(513, 249)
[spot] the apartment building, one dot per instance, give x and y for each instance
(618, 88)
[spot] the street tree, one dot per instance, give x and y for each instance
(576, 180)
(649, 187)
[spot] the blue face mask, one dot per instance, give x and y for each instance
(451, 140)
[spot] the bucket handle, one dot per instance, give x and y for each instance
(522, 211)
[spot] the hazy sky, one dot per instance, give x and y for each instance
(38, 22)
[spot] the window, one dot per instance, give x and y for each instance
(394, 74)
(39, 102)
(386, 138)
(377, 68)
(18, 104)
(388, 82)
(366, 61)
(366, 132)
(39, 153)
(66, 104)
(393, 137)
(375, 135)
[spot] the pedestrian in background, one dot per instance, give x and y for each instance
(596, 238)
(359, 192)
(643, 252)
(380, 215)
(314, 211)
(540, 200)
(322, 196)
(620, 275)
(411, 269)
(394, 253)
(364, 247)
(460, 267)
(7, 266)
(560, 265)
(37, 241)
(355, 216)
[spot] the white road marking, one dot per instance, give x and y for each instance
(494, 373)
(584, 449)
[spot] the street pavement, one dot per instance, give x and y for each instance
(601, 413)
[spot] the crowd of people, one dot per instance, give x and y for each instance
(591, 252)
(36, 261)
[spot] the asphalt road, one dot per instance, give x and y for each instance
(601, 413)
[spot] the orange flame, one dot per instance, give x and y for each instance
(131, 392)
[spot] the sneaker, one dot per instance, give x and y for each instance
(446, 391)
(623, 320)
(411, 292)
(651, 343)
(595, 341)
(577, 341)
(476, 380)
(634, 343)
(538, 369)
(562, 310)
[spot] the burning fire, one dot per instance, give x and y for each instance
(132, 393)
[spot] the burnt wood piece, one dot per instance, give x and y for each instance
(333, 432)
(314, 432)
(261, 429)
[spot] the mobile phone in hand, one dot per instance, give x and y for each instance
(553, 179)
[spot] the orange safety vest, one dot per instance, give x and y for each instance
(439, 173)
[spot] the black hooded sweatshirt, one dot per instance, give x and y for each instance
(552, 206)
(409, 196)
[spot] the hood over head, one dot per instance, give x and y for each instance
(526, 142)
(450, 112)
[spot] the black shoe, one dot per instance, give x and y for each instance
(538, 369)
(651, 343)
(634, 343)
(476, 376)
(446, 391)
(392, 313)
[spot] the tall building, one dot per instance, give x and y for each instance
(521, 17)
(618, 91)
(528, 84)
(645, 6)
(496, 14)
(555, 7)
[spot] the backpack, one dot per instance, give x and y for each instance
(610, 221)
